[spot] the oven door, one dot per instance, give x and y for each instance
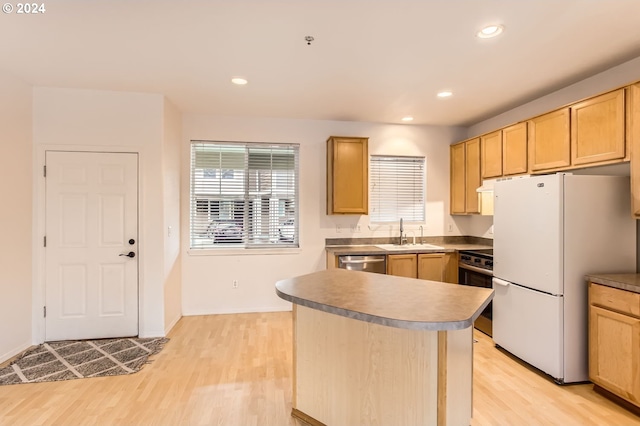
(478, 278)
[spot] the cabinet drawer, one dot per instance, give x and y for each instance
(622, 301)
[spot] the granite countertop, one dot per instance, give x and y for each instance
(408, 248)
(387, 300)
(629, 282)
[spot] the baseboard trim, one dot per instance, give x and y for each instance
(305, 418)
(617, 399)
(235, 311)
(7, 357)
(171, 325)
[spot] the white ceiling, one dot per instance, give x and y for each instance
(372, 60)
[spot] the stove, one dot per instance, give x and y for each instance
(477, 260)
(475, 268)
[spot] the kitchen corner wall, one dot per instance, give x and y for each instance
(15, 216)
(207, 277)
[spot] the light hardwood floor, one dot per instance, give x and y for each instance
(236, 370)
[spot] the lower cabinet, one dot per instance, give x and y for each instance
(402, 265)
(427, 266)
(614, 341)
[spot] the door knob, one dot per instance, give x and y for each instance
(130, 254)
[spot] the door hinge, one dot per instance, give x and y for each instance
(45, 311)
(45, 240)
(44, 170)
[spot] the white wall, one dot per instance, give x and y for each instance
(15, 215)
(610, 79)
(207, 279)
(120, 122)
(172, 134)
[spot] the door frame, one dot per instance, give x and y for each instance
(38, 297)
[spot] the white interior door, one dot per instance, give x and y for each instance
(91, 226)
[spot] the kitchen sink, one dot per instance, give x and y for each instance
(406, 247)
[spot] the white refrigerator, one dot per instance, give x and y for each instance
(549, 232)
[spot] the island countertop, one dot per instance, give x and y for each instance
(387, 300)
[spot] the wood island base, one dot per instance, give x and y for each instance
(349, 372)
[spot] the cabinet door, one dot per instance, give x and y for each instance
(514, 149)
(549, 142)
(597, 129)
(633, 135)
(402, 265)
(450, 268)
(472, 175)
(457, 182)
(614, 352)
(431, 266)
(491, 145)
(347, 176)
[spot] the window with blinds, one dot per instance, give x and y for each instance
(243, 195)
(397, 188)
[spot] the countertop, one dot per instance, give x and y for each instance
(387, 300)
(629, 282)
(408, 248)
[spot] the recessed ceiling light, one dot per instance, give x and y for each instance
(444, 94)
(239, 81)
(490, 31)
(407, 118)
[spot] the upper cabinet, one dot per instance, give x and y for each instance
(472, 175)
(347, 175)
(491, 145)
(601, 130)
(633, 136)
(549, 140)
(457, 182)
(465, 177)
(514, 149)
(598, 129)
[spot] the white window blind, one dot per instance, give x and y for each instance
(243, 195)
(397, 188)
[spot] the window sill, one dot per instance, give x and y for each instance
(243, 252)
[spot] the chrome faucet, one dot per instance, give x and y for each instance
(421, 234)
(403, 239)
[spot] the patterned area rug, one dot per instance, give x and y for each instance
(66, 360)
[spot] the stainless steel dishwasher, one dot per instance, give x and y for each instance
(371, 263)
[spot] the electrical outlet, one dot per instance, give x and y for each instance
(355, 228)
(235, 283)
(450, 228)
(491, 230)
(338, 229)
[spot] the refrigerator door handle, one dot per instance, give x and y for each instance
(501, 282)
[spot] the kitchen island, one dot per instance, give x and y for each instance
(378, 350)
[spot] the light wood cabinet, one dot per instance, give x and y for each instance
(491, 145)
(465, 177)
(438, 267)
(549, 141)
(514, 149)
(472, 175)
(402, 265)
(633, 136)
(457, 181)
(425, 266)
(347, 175)
(614, 341)
(598, 129)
